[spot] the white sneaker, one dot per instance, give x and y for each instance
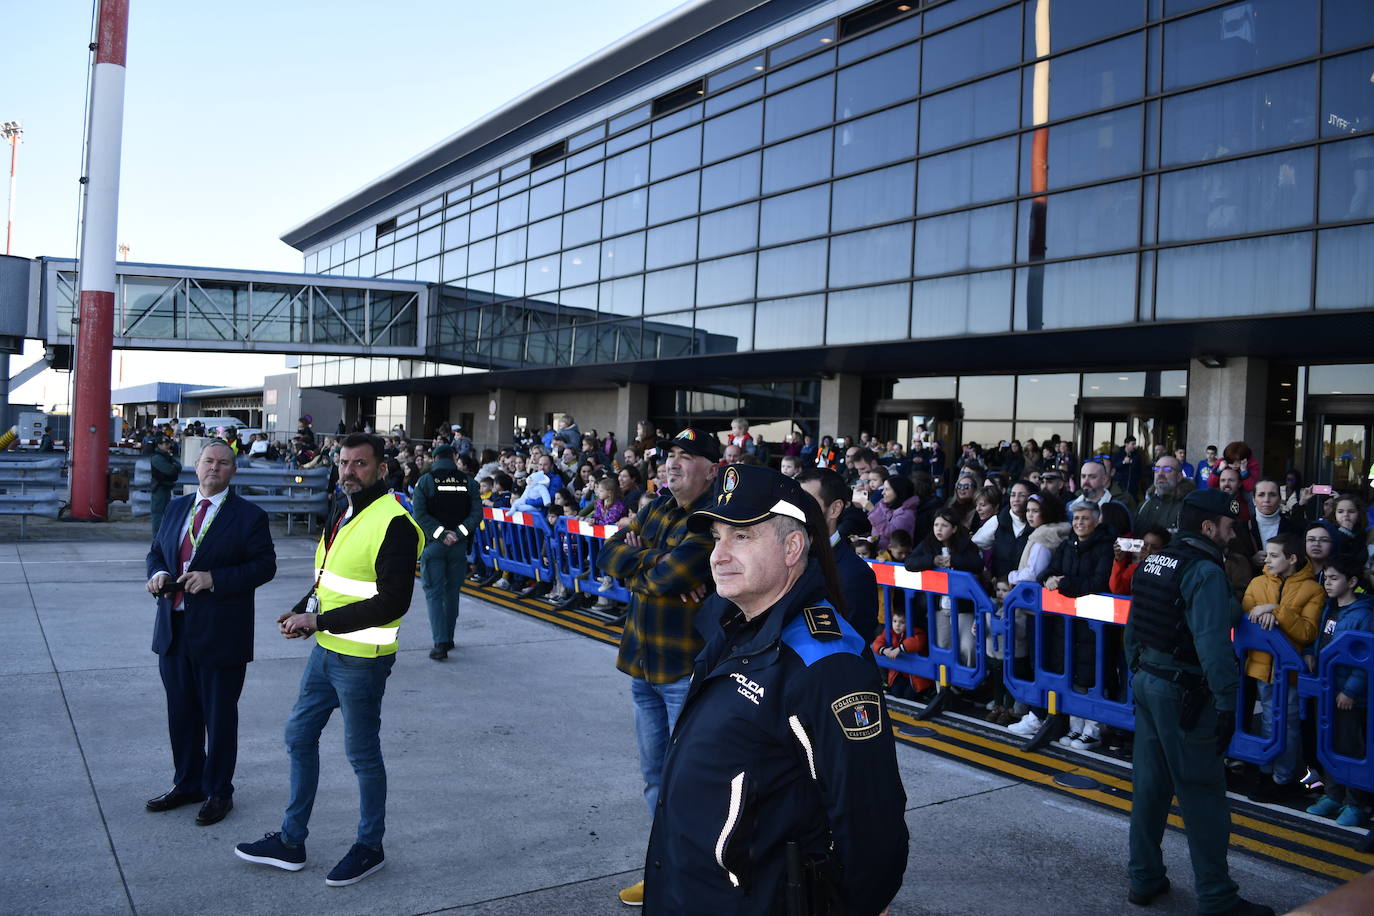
(1069, 739)
(1030, 724)
(1090, 739)
(503, 582)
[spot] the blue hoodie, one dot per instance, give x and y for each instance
(1358, 615)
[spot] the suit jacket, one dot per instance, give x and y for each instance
(238, 553)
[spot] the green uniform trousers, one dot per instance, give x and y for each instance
(443, 570)
(158, 498)
(1169, 761)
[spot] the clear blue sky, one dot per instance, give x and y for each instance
(242, 120)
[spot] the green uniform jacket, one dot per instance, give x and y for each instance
(1212, 610)
(426, 491)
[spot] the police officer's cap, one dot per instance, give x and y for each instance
(749, 494)
(443, 451)
(693, 442)
(1213, 503)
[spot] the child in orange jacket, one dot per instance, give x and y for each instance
(899, 684)
(1287, 596)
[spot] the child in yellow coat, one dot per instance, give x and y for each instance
(1289, 597)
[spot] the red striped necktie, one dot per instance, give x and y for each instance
(188, 547)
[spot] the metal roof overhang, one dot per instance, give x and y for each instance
(1310, 337)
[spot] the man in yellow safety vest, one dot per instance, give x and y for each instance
(364, 578)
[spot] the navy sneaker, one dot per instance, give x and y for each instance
(272, 850)
(360, 862)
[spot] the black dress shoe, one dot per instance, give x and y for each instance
(1145, 898)
(438, 653)
(213, 811)
(173, 799)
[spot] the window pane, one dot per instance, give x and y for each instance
(729, 230)
(510, 247)
(795, 216)
(623, 213)
(668, 336)
(513, 211)
(541, 275)
(964, 240)
(427, 244)
(986, 44)
(883, 38)
(510, 281)
(670, 290)
(482, 256)
(792, 269)
(872, 255)
(1236, 39)
(787, 323)
(622, 297)
(879, 81)
(1103, 218)
(986, 396)
(582, 186)
(1073, 22)
(977, 110)
(1047, 397)
(969, 304)
(799, 46)
(622, 256)
(1089, 149)
(1245, 277)
(796, 162)
(672, 244)
(581, 265)
(679, 118)
(1346, 23)
(546, 199)
(734, 74)
(790, 76)
(1348, 180)
(1096, 77)
(730, 181)
(628, 170)
(874, 197)
(727, 100)
(800, 109)
(581, 226)
(676, 153)
(727, 330)
(1344, 280)
(483, 222)
(734, 132)
(876, 313)
(674, 198)
(725, 280)
(1229, 198)
(544, 236)
(1074, 294)
(983, 172)
(1269, 110)
(1347, 97)
(879, 138)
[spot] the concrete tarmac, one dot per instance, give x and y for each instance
(514, 785)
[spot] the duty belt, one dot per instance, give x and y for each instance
(1186, 679)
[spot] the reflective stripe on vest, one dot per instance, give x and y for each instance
(348, 574)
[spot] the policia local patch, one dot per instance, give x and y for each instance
(860, 715)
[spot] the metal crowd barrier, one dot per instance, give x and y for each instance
(278, 491)
(31, 485)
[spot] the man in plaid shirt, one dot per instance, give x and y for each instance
(667, 570)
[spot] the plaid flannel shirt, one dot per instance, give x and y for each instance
(660, 643)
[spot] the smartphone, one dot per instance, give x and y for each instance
(1130, 545)
(1321, 489)
(170, 589)
(841, 442)
(651, 453)
(859, 495)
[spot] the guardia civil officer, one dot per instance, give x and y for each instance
(780, 791)
(448, 510)
(1178, 644)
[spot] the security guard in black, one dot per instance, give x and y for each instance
(784, 739)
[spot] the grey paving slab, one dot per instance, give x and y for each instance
(26, 651)
(59, 858)
(514, 786)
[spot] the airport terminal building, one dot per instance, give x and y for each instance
(1000, 219)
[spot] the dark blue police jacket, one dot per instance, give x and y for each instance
(238, 553)
(784, 736)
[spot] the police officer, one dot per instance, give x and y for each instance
(780, 790)
(448, 511)
(1179, 645)
(165, 470)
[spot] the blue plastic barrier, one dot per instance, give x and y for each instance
(579, 545)
(1248, 636)
(1054, 690)
(918, 595)
(1357, 650)
(521, 543)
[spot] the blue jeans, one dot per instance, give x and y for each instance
(656, 711)
(442, 571)
(355, 686)
(1285, 765)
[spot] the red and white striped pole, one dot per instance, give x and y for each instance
(90, 454)
(11, 132)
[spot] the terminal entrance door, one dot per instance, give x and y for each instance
(905, 420)
(1104, 423)
(1340, 441)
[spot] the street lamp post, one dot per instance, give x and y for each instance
(11, 131)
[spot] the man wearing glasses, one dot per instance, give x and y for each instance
(1165, 498)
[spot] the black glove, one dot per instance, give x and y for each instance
(1226, 727)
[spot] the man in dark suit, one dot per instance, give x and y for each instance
(857, 581)
(213, 550)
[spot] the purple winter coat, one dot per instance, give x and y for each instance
(885, 520)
